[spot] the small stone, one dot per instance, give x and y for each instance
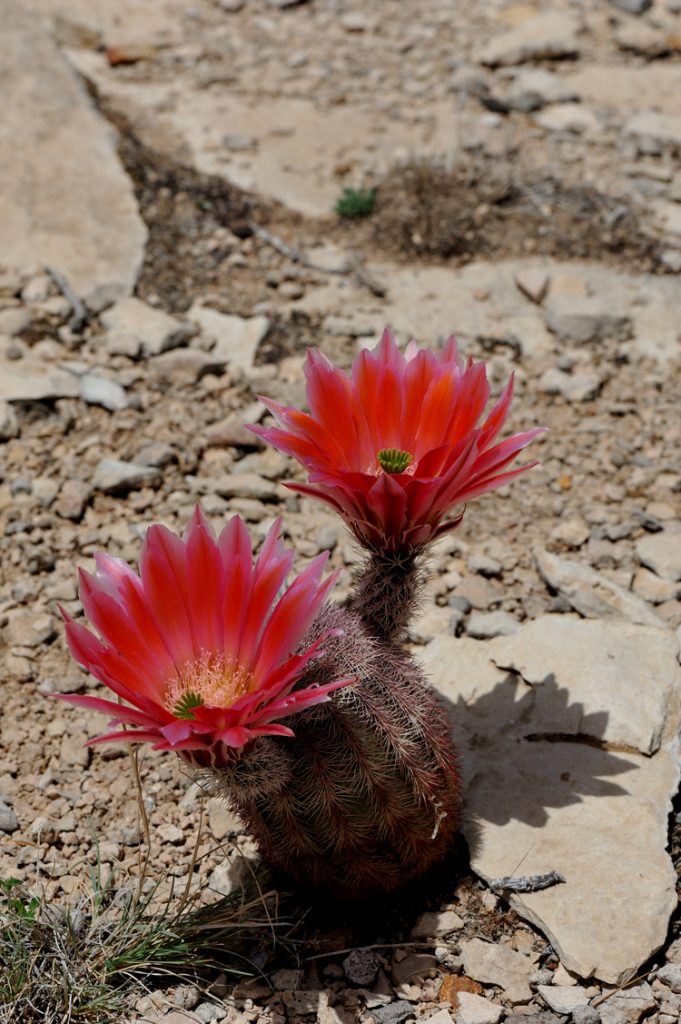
(344, 327)
(123, 345)
(533, 282)
(587, 319)
(546, 36)
(113, 476)
(171, 834)
(654, 132)
(485, 625)
(8, 819)
(572, 532)
(231, 6)
(585, 1015)
(99, 391)
(670, 975)
(156, 331)
(532, 89)
(157, 454)
(236, 338)
(568, 117)
(73, 752)
(474, 1009)
(186, 996)
(43, 831)
(651, 587)
(30, 629)
(222, 820)
(246, 485)
(433, 925)
(14, 321)
(415, 965)
(9, 422)
(563, 977)
(30, 380)
(661, 552)
(574, 387)
(495, 964)
(563, 999)
(398, 1012)
(185, 366)
(73, 498)
(629, 1005)
(209, 1012)
(361, 967)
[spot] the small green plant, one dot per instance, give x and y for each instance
(80, 964)
(356, 202)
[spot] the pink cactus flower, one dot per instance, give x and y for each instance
(397, 445)
(200, 646)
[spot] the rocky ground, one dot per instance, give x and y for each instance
(169, 252)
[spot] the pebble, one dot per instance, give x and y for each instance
(236, 339)
(113, 476)
(398, 1012)
(8, 819)
(185, 366)
(549, 35)
(30, 628)
(97, 390)
(661, 552)
(653, 588)
(155, 330)
(73, 498)
(670, 974)
(432, 925)
(629, 1005)
(485, 625)
(632, 6)
(588, 319)
(9, 422)
(586, 1015)
(563, 999)
(568, 117)
(532, 89)
(533, 282)
(361, 966)
(495, 964)
(209, 1012)
(246, 485)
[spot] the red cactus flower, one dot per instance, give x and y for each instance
(199, 644)
(397, 445)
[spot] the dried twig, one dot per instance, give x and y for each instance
(80, 314)
(526, 883)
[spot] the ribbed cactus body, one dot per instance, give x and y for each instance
(367, 795)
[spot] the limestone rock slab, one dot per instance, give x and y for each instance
(550, 34)
(546, 791)
(236, 338)
(31, 380)
(621, 679)
(65, 199)
(661, 552)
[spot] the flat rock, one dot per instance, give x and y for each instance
(586, 319)
(9, 422)
(563, 999)
(154, 330)
(545, 790)
(632, 6)
(495, 964)
(549, 35)
(485, 625)
(113, 476)
(236, 338)
(31, 380)
(432, 925)
(590, 593)
(246, 485)
(568, 117)
(8, 819)
(62, 187)
(185, 366)
(661, 552)
(533, 282)
(474, 1009)
(627, 655)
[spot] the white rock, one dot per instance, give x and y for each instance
(562, 1000)
(633, 6)
(596, 815)
(533, 88)
(155, 330)
(97, 390)
(568, 117)
(485, 625)
(590, 593)
(650, 128)
(494, 964)
(8, 819)
(474, 1009)
(185, 366)
(591, 318)
(236, 338)
(547, 35)
(661, 552)
(628, 1006)
(670, 974)
(574, 387)
(76, 208)
(573, 532)
(31, 380)
(113, 476)
(651, 587)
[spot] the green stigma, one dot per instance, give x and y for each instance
(393, 460)
(188, 701)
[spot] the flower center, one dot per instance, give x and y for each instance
(394, 460)
(210, 679)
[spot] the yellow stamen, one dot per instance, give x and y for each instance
(211, 679)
